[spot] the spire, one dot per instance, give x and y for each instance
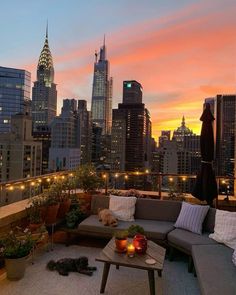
(103, 50)
(47, 30)
(45, 68)
(183, 121)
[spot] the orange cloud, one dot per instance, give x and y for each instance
(180, 59)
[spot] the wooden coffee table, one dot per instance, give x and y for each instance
(109, 256)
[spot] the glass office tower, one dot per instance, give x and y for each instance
(14, 95)
(102, 93)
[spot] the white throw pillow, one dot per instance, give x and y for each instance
(225, 228)
(123, 208)
(234, 257)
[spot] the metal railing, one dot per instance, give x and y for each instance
(148, 181)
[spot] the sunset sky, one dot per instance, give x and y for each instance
(181, 51)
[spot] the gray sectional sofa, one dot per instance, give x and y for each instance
(212, 261)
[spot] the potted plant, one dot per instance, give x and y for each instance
(121, 240)
(15, 248)
(135, 229)
(64, 197)
(87, 179)
(35, 219)
(73, 217)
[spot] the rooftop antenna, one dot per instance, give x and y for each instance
(47, 29)
(96, 56)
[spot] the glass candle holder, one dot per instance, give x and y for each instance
(140, 243)
(130, 250)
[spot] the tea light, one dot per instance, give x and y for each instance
(130, 250)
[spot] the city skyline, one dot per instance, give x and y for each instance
(181, 53)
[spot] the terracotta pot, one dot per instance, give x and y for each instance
(43, 212)
(63, 208)
(34, 226)
(51, 215)
(121, 244)
(85, 201)
(15, 268)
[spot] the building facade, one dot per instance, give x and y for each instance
(102, 93)
(44, 101)
(131, 131)
(225, 134)
(15, 87)
(84, 132)
(20, 155)
(64, 152)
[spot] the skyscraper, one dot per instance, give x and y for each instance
(225, 134)
(44, 101)
(102, 92)
(44, 95)
(14, 95)
(64, 152)
(131, 131)
(84, 132)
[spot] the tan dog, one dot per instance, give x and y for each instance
(106, 217)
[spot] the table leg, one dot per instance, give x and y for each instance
(159, 273)
(151, 282)
(104, 276)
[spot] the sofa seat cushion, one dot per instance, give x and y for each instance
(156, 230)
(215, 270)
(184, 239)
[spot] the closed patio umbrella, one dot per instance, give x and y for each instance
(206, 186)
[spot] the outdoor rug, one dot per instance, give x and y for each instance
(126, 281)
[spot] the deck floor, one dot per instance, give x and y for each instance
(39, 281)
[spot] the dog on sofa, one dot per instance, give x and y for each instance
(66, 265)
(106, 217)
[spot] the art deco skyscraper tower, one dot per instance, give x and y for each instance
(44, 101)
(44, 94)
(102, 92)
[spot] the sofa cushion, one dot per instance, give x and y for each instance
(234, 257)
(209, 222)
(184, 239)
(162, 210)
(123, 208)
(225, 228)
(191, 217)
(215, 270)
(99, 201)
(156, 230)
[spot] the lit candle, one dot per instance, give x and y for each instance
(130, 250)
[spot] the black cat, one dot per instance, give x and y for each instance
(66, 265)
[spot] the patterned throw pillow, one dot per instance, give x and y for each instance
(234, 257)
(123, 208)
(191, 217)
(225, 228)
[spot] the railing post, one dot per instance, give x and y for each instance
(159, 181)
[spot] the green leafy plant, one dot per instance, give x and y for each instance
(74, 217)
(16, 244)
(121, 234)
(135, 229)
(34, 214)
(87, 178)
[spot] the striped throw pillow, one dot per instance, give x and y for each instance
(123, 208)
(191, 217)
(225, 228)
